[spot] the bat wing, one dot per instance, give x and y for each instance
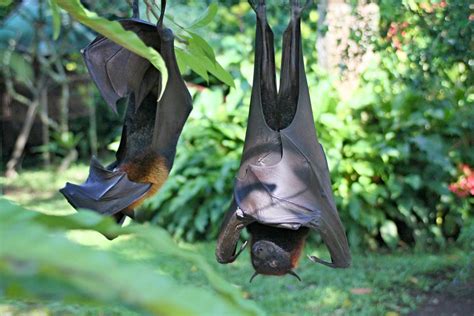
(234, 222)
(288, 185)
(116, 71)
(292, 193)
(105, 191)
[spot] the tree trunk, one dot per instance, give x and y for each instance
(64, 100)
(44, 127)
(92, 123)
(344, 40)
(21, 139)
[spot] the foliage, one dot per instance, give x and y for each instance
(197, 54)
(78, 273)
(377, 283)
(392, 148)
(110, 29)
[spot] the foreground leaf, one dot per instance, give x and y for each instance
(31, 251)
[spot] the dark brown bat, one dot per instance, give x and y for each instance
(150, 131)
(283, 187)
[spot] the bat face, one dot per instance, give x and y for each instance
(270, 259)
(275, 251)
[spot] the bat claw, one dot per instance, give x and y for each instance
(317, 260)
(253, 277)
(293, 273)
(242, 247)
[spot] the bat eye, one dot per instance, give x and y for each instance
(259, 249)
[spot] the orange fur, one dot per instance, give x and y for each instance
(147, 168)
(296, 252)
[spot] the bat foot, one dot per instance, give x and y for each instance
(259, 7)
(298, 6)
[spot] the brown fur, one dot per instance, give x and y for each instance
(291, 241)
(147, 168)
(297, 250)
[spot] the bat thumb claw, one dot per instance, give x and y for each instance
(317, 260)
(241, 249)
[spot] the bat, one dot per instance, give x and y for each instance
(151, 129)
(282, 190)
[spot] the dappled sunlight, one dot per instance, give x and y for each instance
(328, 298)
(89, 238)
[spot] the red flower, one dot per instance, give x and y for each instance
(465, 184)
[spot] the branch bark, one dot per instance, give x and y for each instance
(21, 140)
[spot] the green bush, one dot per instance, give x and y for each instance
(393, 148)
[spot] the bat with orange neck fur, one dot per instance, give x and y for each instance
(282, 189)
(151, 129)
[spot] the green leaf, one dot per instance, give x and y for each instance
(21, 68)
(363, 168)
(198, 41)
(202, 53)
(389, 233)
(221, 74)
(5, 3)
(354, 207)
(206, 18)
(55, 258)
(192, 62)
(414, 181)
(116, 33)
(56, 18)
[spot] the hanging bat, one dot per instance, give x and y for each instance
(150, 131)
(282, 189)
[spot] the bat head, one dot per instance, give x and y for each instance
(275, 251)
(270, 259)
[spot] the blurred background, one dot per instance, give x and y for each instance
(391, 86)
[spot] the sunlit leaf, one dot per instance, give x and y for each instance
(56, 18)
(55, 257)
(115, 32)
(389, 233)
(192, 62)
(207, 17)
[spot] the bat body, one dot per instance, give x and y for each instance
(151, 129)
(282, 189)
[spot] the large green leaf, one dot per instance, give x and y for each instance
(115, 32)
(207, 17)
(30, 250)
(4, 3)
